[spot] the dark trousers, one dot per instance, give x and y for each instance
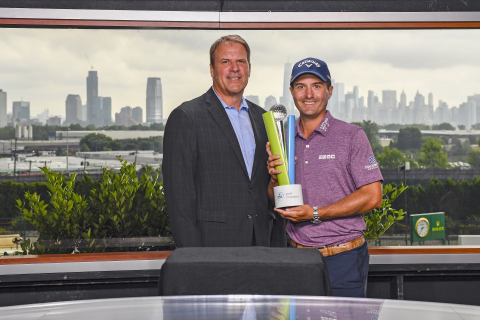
(349, 271)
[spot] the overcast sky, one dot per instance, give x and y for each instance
(43, 66)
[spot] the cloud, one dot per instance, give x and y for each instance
(43, 66)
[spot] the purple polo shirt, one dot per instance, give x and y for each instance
(334, 162)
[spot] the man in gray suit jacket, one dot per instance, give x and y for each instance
(214, 157)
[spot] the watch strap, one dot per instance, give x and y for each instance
(316, 218)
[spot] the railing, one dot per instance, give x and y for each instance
(423, 176)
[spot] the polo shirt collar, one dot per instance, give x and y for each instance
(323, 127)
(243, 104)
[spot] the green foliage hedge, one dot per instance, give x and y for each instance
(100, 142)
(120, 206)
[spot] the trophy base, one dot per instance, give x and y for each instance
(289, 195)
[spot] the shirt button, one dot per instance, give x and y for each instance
(306, 162)
(250, 191)
(249, 216)
(307, 146)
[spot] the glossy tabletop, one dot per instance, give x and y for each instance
(241, 307)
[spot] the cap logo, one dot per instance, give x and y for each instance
(308, 63)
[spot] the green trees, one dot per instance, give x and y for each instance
(391, 158)
(96, 141)
(443, 126)
(409, 138)
(100, 142)
(459, 148)
(7, 133)
(371, 130)
(473, 158)
(120, 206)
(432, 154)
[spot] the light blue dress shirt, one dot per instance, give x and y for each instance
(243, 129)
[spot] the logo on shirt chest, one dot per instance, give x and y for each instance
(326, 156)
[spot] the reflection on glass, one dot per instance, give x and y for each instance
(240, 308)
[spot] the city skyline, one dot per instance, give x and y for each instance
(443, 62)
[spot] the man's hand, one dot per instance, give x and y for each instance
(297, 214)
(272, 163)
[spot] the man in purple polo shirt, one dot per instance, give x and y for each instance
(340, 180)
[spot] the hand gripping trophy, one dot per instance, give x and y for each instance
(287, 193)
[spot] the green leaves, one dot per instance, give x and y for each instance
(119, 206)
(378, 220)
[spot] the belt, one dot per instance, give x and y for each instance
(333, 250)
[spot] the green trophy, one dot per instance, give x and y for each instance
(286, 194)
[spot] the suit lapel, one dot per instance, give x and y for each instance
(257, 125)
(221, 118)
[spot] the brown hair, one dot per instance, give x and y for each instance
(230, 38)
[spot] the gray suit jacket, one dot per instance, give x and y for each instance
(210, 199)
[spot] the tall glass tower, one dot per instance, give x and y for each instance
(73, 109)
(287, 99)
(154, 108)
(92, 93)
(3, 108)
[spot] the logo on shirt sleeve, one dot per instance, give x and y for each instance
(326, 156)
(374, 164)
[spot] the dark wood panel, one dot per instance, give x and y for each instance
(234, 25)
(120, 256)
(84, 257)
(106, 23)
(425, 250)
(347, 25)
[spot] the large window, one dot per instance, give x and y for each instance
(397, 79)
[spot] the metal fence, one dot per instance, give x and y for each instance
(423, 176)
(401, 240)
(466, 227)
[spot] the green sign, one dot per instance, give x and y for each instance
(428, 226)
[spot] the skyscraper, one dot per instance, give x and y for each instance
(125, 117)
(84, 112)
(253, 99)
(92, 93)
(137, 114)
(107, 111)
(341, 97)
(287, 99)
(127, 110)
(21, 110)
(476, 98)
(355, 96)
(371, 104)
(3, 108)
(389, 98)
(269, 102)
(430, 106)
(102, 111)
(403, 100)
(154, 107)
(97, 112)
(73, 109)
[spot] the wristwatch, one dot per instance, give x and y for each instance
(316, 218)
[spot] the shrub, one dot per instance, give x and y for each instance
(378, 220)
(119, 208)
